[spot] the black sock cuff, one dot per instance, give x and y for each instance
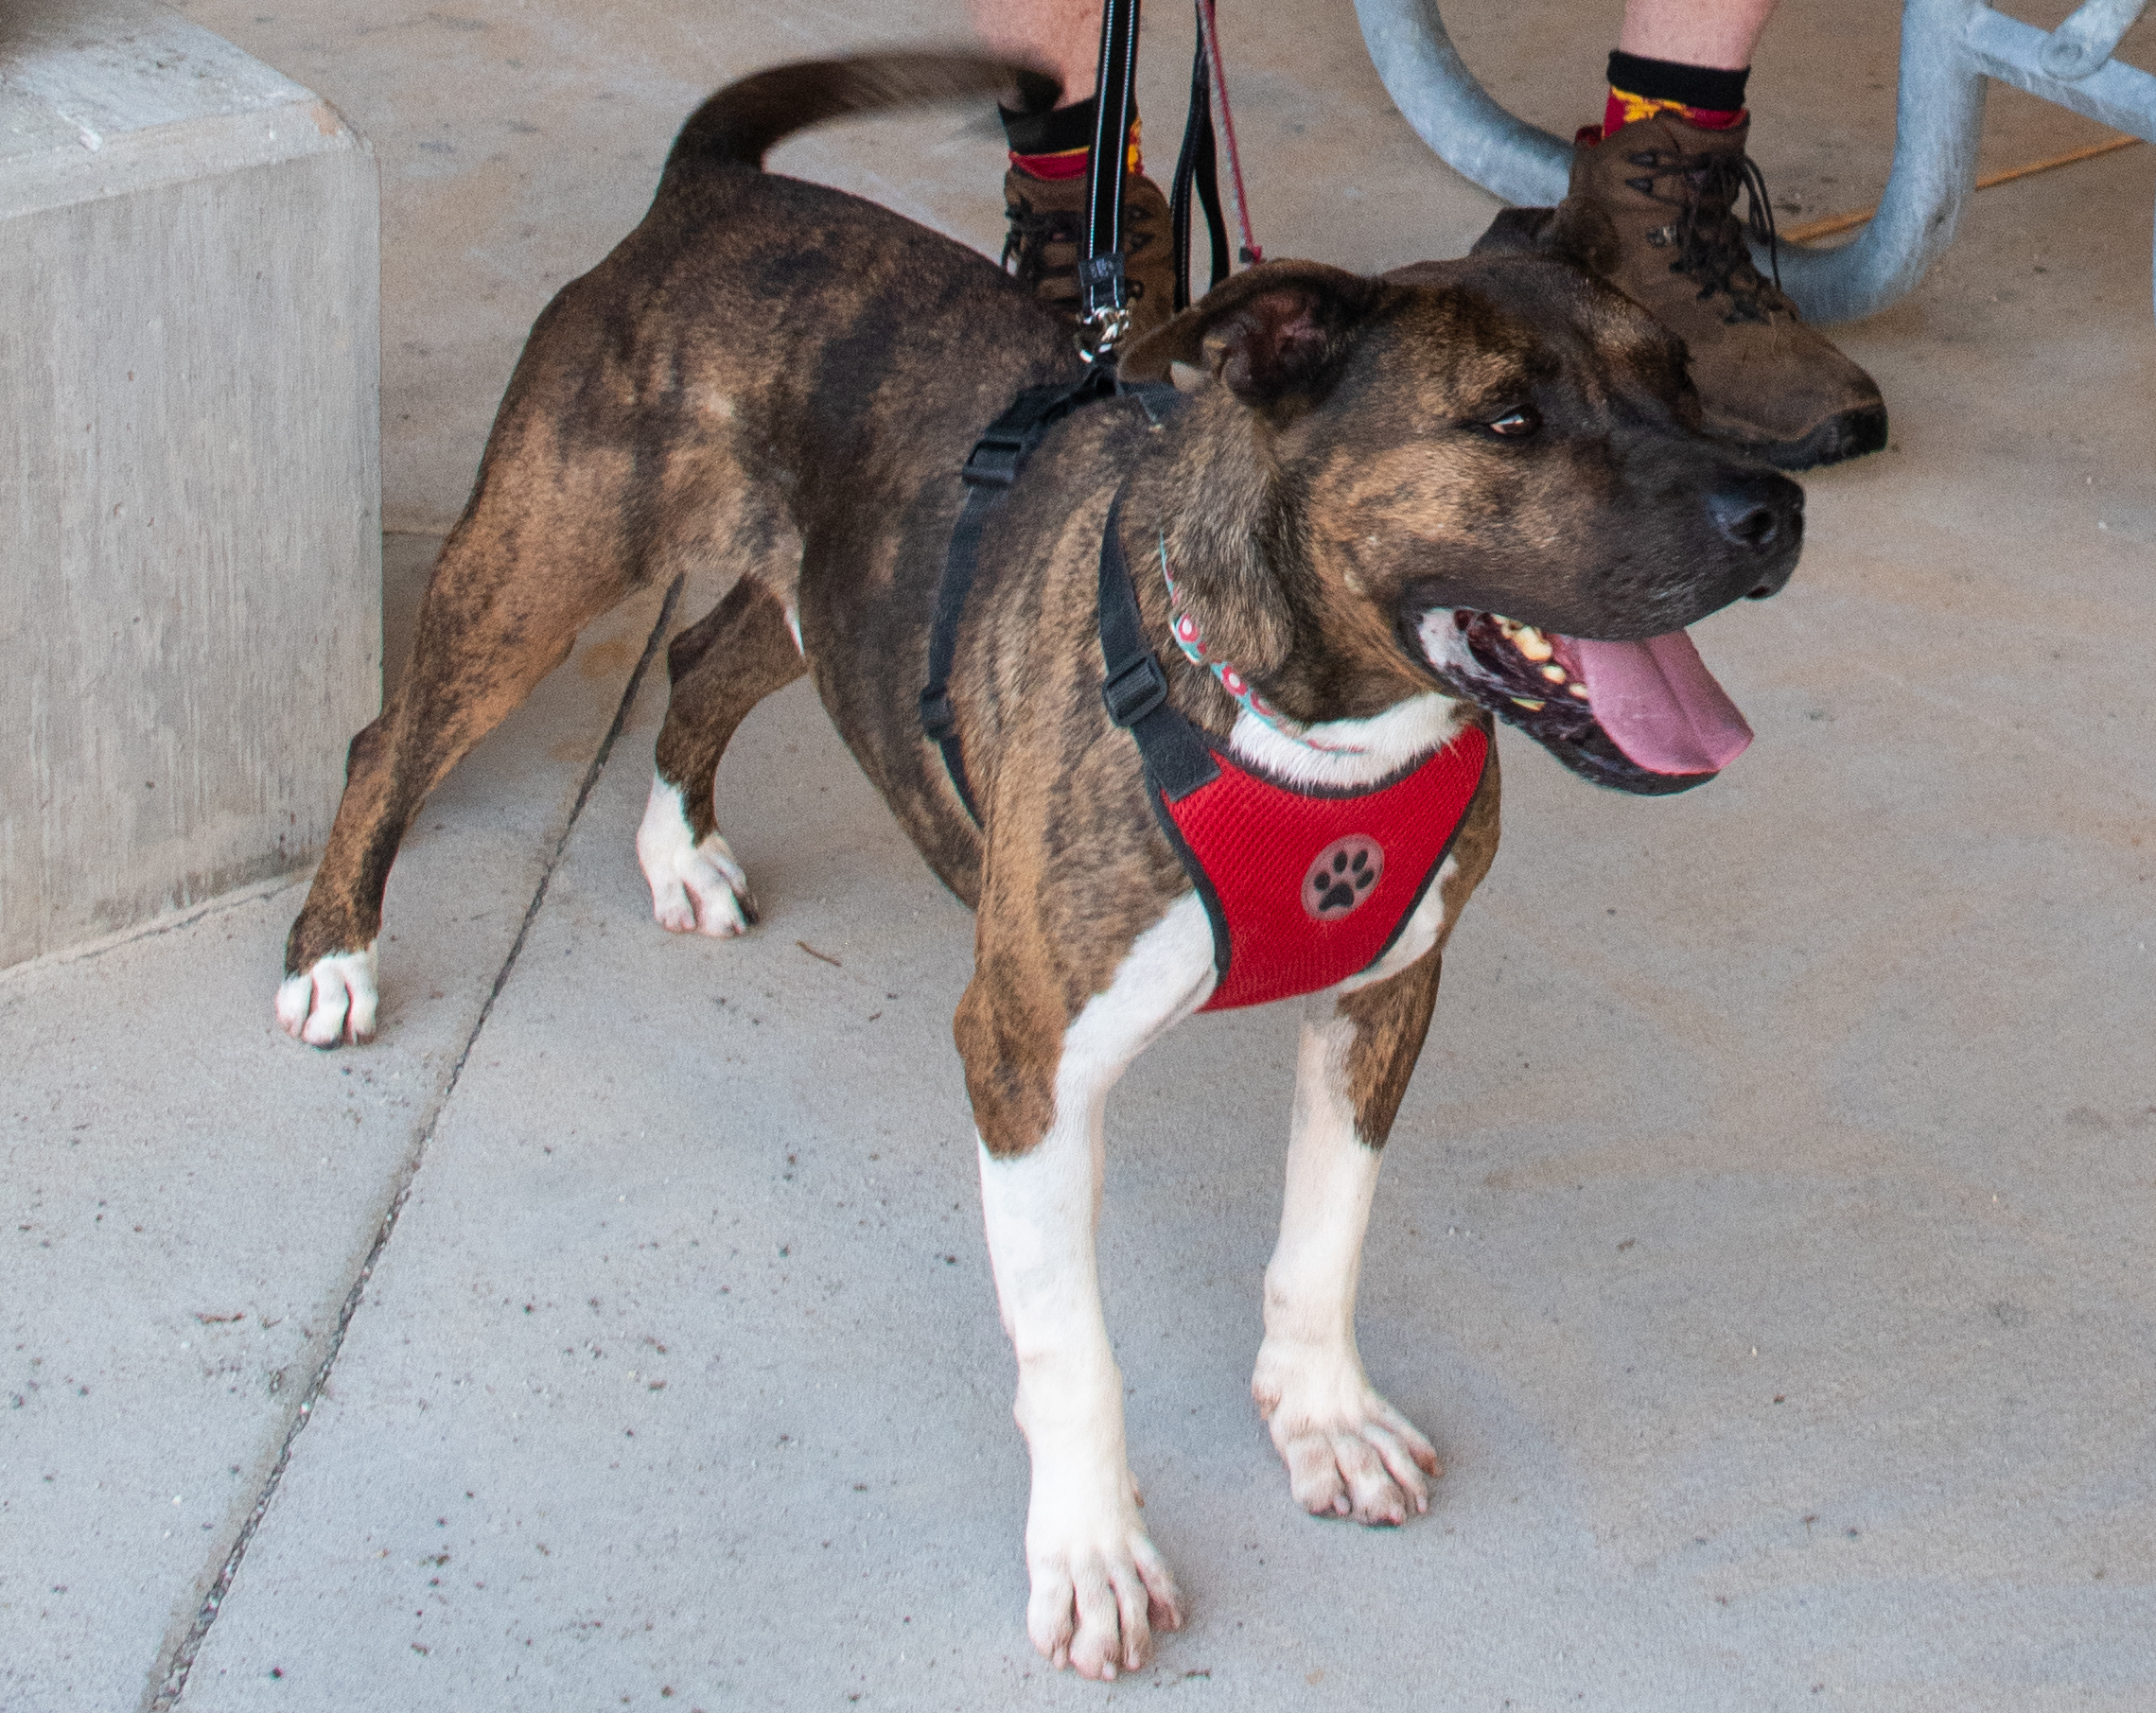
(1051, 133)
(1671, 80)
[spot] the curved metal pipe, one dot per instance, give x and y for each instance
(1938, 119)
(1436, 93)
(2080, 46)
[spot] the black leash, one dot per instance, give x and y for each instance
(997, 457)
(1197, 166)
(1103, 280)
(1104, 297)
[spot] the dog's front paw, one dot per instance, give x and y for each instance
(1099, 1591)
(1348, 1452)
(333, 1001)
(695, 888)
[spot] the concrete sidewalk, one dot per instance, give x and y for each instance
(1765, 1242)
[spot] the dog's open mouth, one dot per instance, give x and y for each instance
(1645, 717)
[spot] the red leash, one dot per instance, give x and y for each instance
(1209, 42)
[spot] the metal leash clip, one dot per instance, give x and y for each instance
(1102, 332)
(1106, 319)
(1099, 335)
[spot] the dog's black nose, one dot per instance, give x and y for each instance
(1758, 511)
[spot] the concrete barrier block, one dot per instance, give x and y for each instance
(190, 544)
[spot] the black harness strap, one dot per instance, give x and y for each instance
(1178, 755)
(990, 467)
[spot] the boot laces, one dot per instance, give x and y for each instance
(1026, 240)
(1032, 231)
(1711, 241)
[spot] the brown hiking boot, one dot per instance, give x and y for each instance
(1047, 217)
(1767, 383)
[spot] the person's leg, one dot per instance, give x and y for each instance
(1690, 57)
(1716, 33)
(1665, 165)
(1044, 192)
(1059, 36)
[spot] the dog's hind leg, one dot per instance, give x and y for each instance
(1349, 1453)
(526, 569)
(721, 667)
(1099, 1588)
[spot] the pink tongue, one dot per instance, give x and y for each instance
(1660, 705)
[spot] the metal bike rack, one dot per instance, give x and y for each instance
(1948, 47)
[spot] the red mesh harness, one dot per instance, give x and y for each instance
(1306, 887)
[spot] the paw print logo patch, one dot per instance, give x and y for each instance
(1344, 874)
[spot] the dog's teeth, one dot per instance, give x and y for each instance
(1554, 672)
(1532, 707)
(1578, 690)
(1531, 643)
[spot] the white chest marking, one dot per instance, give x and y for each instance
(1355, 752)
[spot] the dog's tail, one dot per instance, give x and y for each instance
(745, 120)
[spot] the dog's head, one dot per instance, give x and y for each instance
(1489, 472)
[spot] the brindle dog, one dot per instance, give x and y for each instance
(1395, 505)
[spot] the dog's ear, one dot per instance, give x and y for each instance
(1582, 233)
(1576, 231)
(1268, 335)
(1515, 231)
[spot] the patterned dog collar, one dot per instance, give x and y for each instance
(1191, 641)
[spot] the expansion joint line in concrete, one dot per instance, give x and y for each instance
(174, 1682)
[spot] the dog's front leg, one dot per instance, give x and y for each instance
(1349, 1453)
(1099, 1588)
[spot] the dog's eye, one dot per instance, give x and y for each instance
(1517, 424)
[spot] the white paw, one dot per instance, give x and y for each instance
(333, 1002)
(695, 888)
(1100, 1588)
(1348, 1452)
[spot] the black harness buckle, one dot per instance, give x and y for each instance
(1135, 691)
(993, 462)
(938, 719)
